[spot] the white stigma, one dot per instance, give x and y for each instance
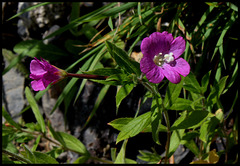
(168, 57)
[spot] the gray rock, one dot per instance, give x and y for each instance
(12, 92)
(38, 18)
(57, 117)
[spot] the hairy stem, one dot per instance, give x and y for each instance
(166, 117)
(101, 160)
(87, 76)
(165, 114)
(15, 156)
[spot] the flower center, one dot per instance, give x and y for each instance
(160, 58)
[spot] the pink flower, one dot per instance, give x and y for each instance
(43, 74)
(161, 58)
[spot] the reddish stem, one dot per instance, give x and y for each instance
(87, 76)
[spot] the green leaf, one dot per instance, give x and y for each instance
(28, 154)
(205, 81)
(123, 92)
(191, 145)
(42, 158)
(216, 91)
(193, 120)
(89, 31)
(81, 160)
(39, 49)
(22, 159)
(121, 155)
(181, 104)
(139, 12)
(72, 143)
(232, 6)
(8, 135)
(204, 131)
(208, 127)
(123, 59)
(221, 85)
(113, 153)
(9, 118)
(6, 160)
(191, 84)
(232, 79)
(23, 137)
(9, 56)
(17, 59)
(156, 118)
(134, 127)
(120, 123)
(110, 24)
(161, 128)
(151, 158)
(68, 141)
(172, 93)
(175, 141)
(55, 152)
(35, 145)
(130, 161)
(35, 109)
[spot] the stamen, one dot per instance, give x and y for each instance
(158, 59)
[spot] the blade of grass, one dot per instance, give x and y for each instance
(98, 101)
(31, 8)
(93, 64)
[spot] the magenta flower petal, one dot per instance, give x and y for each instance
(155, 43)
(37, 68)
(35, 77)
(155, 75)
(146, 64)
(170, 74)
(178, 46)
(182, 67)
(161, 58)
(38, 85)
(43, 74)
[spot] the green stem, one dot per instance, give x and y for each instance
(156, 94)
(53, 141)
(17, 157)
(101, 160)
(166, 117)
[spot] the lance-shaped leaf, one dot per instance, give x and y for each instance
(172, 93)
(134, 127)
(123, 92)
(191, 83)
(123, 59)
(121, 155)
(35, 109)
